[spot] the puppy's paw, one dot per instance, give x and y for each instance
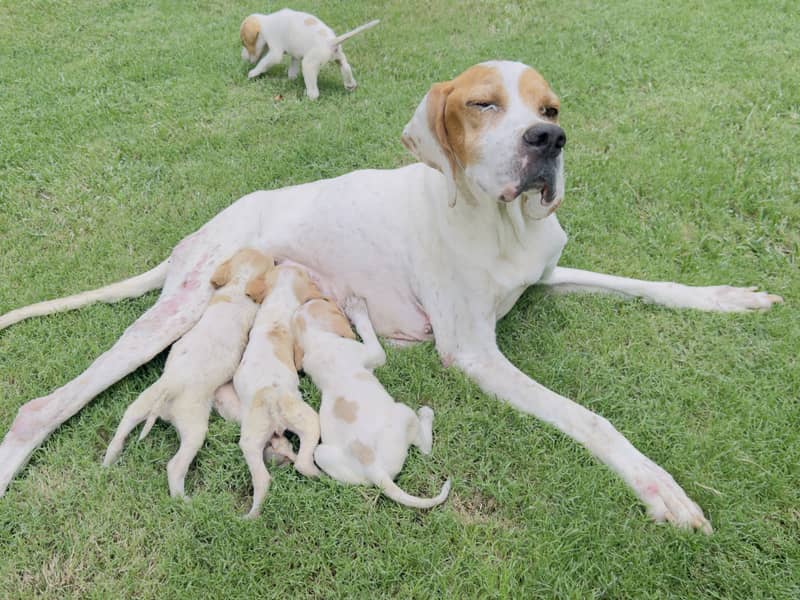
(354, 306)
(253, 73)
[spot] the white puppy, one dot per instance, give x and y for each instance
(267, 383)
(365, 433)
(303, 37)
(199, 363)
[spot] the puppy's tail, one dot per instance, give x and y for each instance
(346, 36)
(128, 288)
(155, 408)
(393, 491)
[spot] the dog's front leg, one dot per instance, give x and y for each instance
(665, 500)
(721, 298)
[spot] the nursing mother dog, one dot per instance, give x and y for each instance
(440, 248)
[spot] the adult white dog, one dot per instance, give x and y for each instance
(443, 248)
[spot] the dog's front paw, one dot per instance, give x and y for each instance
(666, 500)
(726, 298)
(253, 73)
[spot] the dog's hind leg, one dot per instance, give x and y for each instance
(191, 421)
(254, 438)
(344, 67)
(304, 421)
(424, 437)
(179, 307)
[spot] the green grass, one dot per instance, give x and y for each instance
(125, 125)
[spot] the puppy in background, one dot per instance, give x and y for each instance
(365, 433)
(266, 381)
(199, 363)
(302, 36)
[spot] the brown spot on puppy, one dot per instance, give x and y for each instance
(310, 21)
(256, 289)
(304, 288)
(217, 298)
(364, 454)
(536, 93)
(248, 32)
(282, 344)
(260, 398)
(345, 410)
(328, 315)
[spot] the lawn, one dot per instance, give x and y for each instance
(126, 124)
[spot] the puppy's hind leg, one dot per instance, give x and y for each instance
(424, 437)
(344, 67)
(134, 414)
(294, 68)
(312, 62)
(304, 421)
(191, 421)
(256, 432)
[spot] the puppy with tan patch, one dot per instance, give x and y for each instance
(365, 433)
(205, 358)
(302, 36)
(266, 381)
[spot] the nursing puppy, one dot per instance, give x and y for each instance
(365, 433)
(303, 37)
(267, 383)
(199, 363)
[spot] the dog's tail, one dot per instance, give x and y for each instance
(346, 36)
(393, 491)
(128, 288)
(155, 408)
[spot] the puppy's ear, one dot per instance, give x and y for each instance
(256, 289)
(305, 290)
(425, 135)
(298, 356)
(222, 275)
(248, 32)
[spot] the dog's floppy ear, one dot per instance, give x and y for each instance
(425, 135)
(256, 289)
(248, 32)
(222, 275)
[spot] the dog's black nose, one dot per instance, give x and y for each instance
(546, 139)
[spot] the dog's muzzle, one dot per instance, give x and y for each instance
(542, 145)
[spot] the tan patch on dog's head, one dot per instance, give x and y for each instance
(256, 289)
(217, 298)
(258, 262)
(536, 93)
(282, 344)
(363, 453)
(304, 288)
(465, 117)
(345, 409)
(328, 316)
(310, 21)
(298, 328)
(248, 32)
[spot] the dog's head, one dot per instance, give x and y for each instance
(494, 129)
(253, 42)
(247, 267)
